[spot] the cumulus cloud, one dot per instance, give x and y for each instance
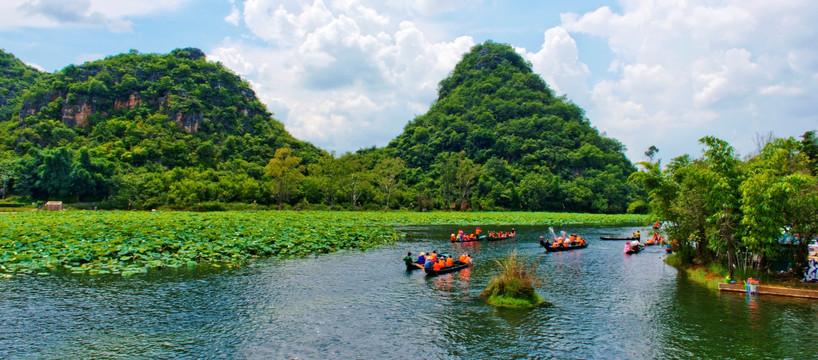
(234, 16)
(683, 70)
(558, 62)
(341, 74)
(94, 13)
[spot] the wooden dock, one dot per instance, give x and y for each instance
(773, 290)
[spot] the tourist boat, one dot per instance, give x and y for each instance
(634, 250)
(447, 269)
(481, 237)
(564, 248)
(489, 238)
(618, 238)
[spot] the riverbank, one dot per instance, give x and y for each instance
(714, 277)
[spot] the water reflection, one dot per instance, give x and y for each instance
(603, 304)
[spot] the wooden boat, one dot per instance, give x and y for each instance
(499, 238)
(618, 238)
(413, 266)
(481, 237)
(635, 250)
(564, 248)
(447, 269)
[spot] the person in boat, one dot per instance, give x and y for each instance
(513, 233)
(408, 259)
(637, 235)
(432, 257)
(449, 261)
(453, 238)
(477, 231)
(429, 265)
(657, 225)
(439, 264)
(422, 258)
(627, 246)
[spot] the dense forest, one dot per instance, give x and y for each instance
(145, 131)
(739, 213)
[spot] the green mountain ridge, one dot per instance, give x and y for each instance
(150, 130)
(538, 148)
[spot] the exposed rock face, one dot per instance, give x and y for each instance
(76, 114)
(189, 122)
(131, 103)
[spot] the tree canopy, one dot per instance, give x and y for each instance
(720, 208)
(150, 130)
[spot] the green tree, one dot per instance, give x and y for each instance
(54, 175)
(286, 172)
(329, 173)
(464, 180)
(7, 172)
(780, 191)
(724, 170)
(387, 173)
(447, 168)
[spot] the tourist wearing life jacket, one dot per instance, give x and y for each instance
(439, 264)
(453, 238)
(449, 261)
(408, 259)
(462, 258)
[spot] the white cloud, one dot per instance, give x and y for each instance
(234, 16)
(683, 70)
(558, 62)
(93, 13)
(342, 74)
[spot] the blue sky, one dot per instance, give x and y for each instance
(349, 74)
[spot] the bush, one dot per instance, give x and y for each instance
(514, 286)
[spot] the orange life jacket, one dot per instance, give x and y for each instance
(449, 262)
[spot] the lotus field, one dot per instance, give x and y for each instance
(127, 243)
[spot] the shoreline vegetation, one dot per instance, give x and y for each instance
(131, 242)
(711, 275)
(514, 286)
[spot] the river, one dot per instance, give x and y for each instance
(602, 304)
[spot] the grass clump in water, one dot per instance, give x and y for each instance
(514, 286)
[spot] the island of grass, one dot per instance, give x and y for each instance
(514, 287)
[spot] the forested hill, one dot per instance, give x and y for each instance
(535, 151)
(174, 130)
(154, 128)
(15, 77)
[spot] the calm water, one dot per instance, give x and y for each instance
(604, 305)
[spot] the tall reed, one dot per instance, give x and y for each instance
(515, 284)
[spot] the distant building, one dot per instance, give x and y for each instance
(53, 205)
